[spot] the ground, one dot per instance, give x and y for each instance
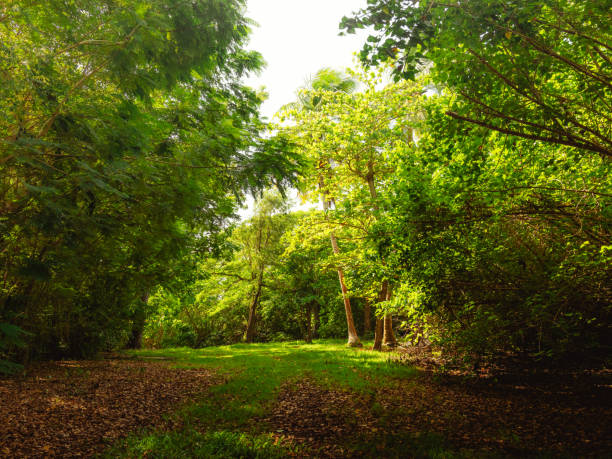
(294, 399)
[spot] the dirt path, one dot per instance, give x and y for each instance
(75, 409)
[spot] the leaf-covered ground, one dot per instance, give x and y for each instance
(279, 400)
(73, 409)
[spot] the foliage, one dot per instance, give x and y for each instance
(471, 198)
(503, 243)
(539, 70)
(501, 226)
(126, 142)
(213, 306)
(348, 140)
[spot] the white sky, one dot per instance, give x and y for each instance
(296, 39)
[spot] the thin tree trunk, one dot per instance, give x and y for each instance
(317, 321)
(388, 335)
(251, 324)
(367, 317)
(353, 338)
(309, 323)
(379, 331)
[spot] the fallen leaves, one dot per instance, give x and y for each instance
(560, 416)
(320, 418)
(75, 409)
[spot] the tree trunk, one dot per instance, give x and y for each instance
(378, 335)
(250, 330)
(379, 331)
(367, 317)
(353, 338)
(388, 336)
(309, 323)
(317, 321)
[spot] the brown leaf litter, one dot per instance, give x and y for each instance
(77, 408)
(561, 415)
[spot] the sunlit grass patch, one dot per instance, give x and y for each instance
(254, 374)
(190, 443)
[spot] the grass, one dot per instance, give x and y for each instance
(255, 372)
(221, 424)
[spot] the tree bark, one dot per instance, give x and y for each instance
(379, 331)
(388, 335)
(353, 338)
(309, 323)
(251, 324)
(367, 317)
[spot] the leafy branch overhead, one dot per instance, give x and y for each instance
(539, 70)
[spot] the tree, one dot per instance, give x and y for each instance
(355, 133)
(495, 253)
(126, 142)
(503, 204)
(328, 80)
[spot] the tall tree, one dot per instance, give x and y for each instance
(356, 133)
(126, 141)
(311, 100)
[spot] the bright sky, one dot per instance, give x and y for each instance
(296, 39)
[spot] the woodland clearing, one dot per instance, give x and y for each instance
(294, 399)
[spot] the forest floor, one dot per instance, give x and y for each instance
(294, 399)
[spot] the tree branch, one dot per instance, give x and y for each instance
(570, 143)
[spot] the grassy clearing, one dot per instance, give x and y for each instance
(255, 372)
(224, 423)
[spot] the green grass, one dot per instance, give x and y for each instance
(256, 371)
(221, 423)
